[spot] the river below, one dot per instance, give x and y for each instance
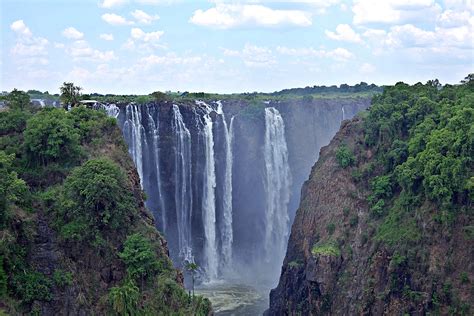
(232, 299)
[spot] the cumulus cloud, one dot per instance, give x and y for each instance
(112, 3)
(252, 55)
(28, 49)
(81, 50)
(344, 33)
(20, 28)
(339, 54)
(225, 16)
(115, 19)
(72, 33)
(394, 11)
(107, 37)
(168, 59)
(143, 17)
(151, 37)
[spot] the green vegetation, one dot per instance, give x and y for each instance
(125, 298)
(344, 156)
(70, 94)
(423, 140)
(95, 198)
(328, 248)
(50, 136)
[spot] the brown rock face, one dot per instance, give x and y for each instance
(335, 265)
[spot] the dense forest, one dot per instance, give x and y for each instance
(75, 236)
(386, 220)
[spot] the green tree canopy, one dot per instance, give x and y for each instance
(50, 136)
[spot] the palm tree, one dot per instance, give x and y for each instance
(192, 267)
(70, 94)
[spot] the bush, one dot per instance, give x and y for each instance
(95, 197)
(13, 121)
(124, 299)
(50, 136)
(344, 156)
(139, 257)
(12, 189)
(31, 286)
(326, 249)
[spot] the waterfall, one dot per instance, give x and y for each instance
(209, 198)
(183, 188)
(227, 232)
(112, 110)
(154, 126)
(343, 113)
(277, 186)
(134, 131)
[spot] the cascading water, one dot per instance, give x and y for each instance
(154, 126)
(134, 131)
(209, 200)
(277, 186)
(227, 232)
(343, 113)
(183, 188)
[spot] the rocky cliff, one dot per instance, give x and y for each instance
(369, 240)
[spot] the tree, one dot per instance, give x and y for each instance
(18, 99)
(50, 136)
(192, 267)
(69, 94)
(96, 195)
(11, 187)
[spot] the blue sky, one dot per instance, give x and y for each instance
(140, 46)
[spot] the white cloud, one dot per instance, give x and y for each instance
(344, 33)
(151, 37)
(394, 11)
(143, 17)
(20, 28)
(252, 55)
(30, 46)
(72, 33)
(81, 50)
(107, 37)
(112, 3)
(339, 54)
(168, 59)
(225, 16)
(59, 45)
(115, 19)
(452, 18)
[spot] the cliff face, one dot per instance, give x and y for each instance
(337, 264)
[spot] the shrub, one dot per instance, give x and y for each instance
(326, 249)
(124, 299)
(330, 228)
(62, 278)
(31, 286)
(139, 257)
(344, 156)
(12, 189)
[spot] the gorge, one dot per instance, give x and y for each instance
(223, 177)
